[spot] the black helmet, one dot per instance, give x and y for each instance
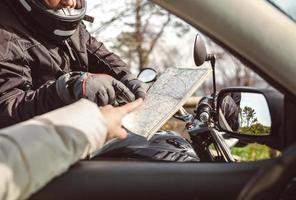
(56, 24)
(163, 146)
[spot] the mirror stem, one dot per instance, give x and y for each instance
(212, 59)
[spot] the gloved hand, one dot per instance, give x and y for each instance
(99, 88)
(138, 87)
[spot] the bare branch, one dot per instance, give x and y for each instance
(158, 35)
(104, 25)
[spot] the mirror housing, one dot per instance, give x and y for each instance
(273, 102)
(200, 51)
(244, 113)
(147, 75)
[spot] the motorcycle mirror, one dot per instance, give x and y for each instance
(147, 75)
(200, 52)
(245, 112)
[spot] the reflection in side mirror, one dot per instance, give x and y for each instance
(147, 75)
(244, 113)
(199, 52)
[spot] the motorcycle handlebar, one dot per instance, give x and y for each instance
(203, 110)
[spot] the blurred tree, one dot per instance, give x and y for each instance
(247, 116)
(230, 71)
(146, 35)
(142, 26)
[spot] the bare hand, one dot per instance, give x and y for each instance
(114, 115)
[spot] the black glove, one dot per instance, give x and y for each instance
(99, 88)
(135, 85)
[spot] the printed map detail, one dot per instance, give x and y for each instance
(164, 98)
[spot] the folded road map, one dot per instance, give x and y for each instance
(164, 98)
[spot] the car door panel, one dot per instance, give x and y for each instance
(150, 180)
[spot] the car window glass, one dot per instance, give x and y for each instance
(145, 35)
(287, 6)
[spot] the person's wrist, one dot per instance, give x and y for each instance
(68, 86)
(62, 91)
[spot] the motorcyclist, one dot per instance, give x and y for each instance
(230, 108)
(48, 60)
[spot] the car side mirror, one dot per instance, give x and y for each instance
(243, 111)
(199, 52)
(147, 75)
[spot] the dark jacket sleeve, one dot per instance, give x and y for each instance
(101, 60)
(18, 100)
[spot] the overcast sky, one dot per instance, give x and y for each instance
(258, 103)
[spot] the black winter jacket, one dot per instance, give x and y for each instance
(30, 65)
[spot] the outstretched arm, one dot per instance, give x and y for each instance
(34, 152)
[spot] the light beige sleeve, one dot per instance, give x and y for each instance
(34, 152)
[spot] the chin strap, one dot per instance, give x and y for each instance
(88, 18)
(79, 4)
